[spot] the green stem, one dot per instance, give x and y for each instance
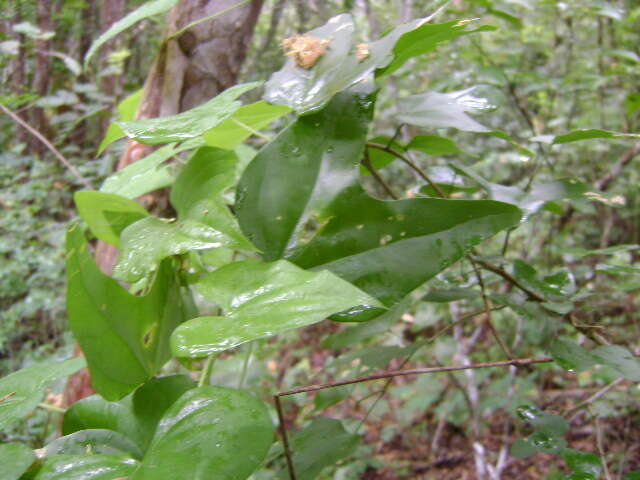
(205, 376)
(51, 408)
(245, 365)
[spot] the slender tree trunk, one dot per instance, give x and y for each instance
(19, 75)
(111, 85)
(189, 70)
(42, 75)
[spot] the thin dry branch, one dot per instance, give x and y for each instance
(47, 144)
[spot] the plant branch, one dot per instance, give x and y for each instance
(205, 376)
(573, 412)
(517, 362)
(411, 164)
(49, 145)
(366, 161)
(285, 439)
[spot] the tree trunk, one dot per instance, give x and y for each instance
(42, 75)
(111, 85)
(189, 70)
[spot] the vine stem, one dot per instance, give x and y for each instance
(205, 376)
(51, 408)
(285, 439)
(366, 161)
(67, 164)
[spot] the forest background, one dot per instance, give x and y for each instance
(562, 79)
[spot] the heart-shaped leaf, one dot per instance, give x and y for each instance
(106, 442)
(21, 391)
(109, 322)
(264, 299)
(209, 432)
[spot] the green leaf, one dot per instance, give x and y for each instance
(153, 399)
(247, 120)
(424, 39)
(15, 458)
(146, 243)
(321, 444)
(127, 109)
(110, 323)
(148, 173)
(145, 10)
(545, 423)
(107, 214)
(204, 220)
(571, 356)
(94, 413)
(588, 134)
(538, 442)
(307, 90)
(442, 110)
(189, 124)
(522, 448)
(287, 183)
(434, 145)
(583, 462)
(635, 475)
(209, 432)
(583, 252)
(300, 199)
(21, 391)
(620, 359)
(86, 467)
(263, 299)
(106, 442)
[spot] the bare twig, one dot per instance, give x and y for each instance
(285, 439)
(571, 414)
(518, 362)
(603, 458)
(366, 161)
(47, 144)
(412, 165)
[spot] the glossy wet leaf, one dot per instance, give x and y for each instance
(209, 432)
(96, 413)
(145, 10)
(151, 401)
(107, 214)
(620, 359)
(147, 174)
(21, 391)
(557, 286)
(447, 180)
(300, 199)
(583, 462)
(149, 241)
(588, 134)
(442, 110)
(434, 145)
(127, 109)
(307, 90)
(244, 123)
(292, 178)
(424, 39)
(321, 444)
(263, 299)
(86, 467)
(571, 356)
(124, 337)
(189, 124)
(101, 441)
(544, 422)
(15, 458)
(204, 220)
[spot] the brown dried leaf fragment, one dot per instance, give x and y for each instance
(305, 49)
(362, 51)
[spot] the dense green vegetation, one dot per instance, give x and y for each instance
(410, 251)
